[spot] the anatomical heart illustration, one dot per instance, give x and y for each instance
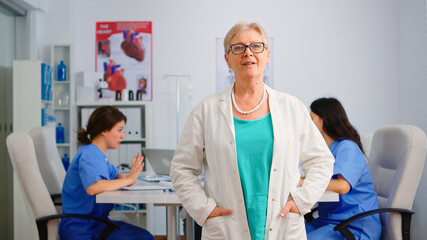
(124, 57)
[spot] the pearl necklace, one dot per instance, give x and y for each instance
(250, 111)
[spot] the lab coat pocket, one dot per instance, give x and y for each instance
(295, 228)
(292, 158)
(214, 229)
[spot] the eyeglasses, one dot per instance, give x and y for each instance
(256, 47)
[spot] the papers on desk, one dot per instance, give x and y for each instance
(155, 178)
(146, 185)
(329, 196)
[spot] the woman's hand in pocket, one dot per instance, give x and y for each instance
(290, 206)
(219, 212)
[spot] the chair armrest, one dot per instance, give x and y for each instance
(309, 216)
(406, 221)
(42, 224)
(56, 199)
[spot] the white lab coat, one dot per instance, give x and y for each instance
(208, 142)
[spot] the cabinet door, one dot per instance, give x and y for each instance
(127, 151)
(132, 150)
(85, 114)
(133, 125)
(113, 156)
(125, 130)
(123, 157)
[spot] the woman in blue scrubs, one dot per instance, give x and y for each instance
(90, 173)
(351, 177)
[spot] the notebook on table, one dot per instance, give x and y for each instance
(144, 185)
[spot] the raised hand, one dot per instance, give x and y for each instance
(137, 166)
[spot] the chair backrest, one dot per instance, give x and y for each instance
(366, 139)
(48, 158)
(24, 162)
(396, 162)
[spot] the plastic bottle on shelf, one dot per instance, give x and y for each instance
(138, 95)
(65, 98)
(60, 133)
(62, 71)
(65, 161)
(58, 101)
(118, 95)
(130, 95)
(51, 121)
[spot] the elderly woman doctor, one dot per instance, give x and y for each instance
(249, 140)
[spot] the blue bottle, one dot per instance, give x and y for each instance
(60, 133)
(62, 71)
(65, 161)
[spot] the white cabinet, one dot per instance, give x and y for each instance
(32, 94)
(32, 103)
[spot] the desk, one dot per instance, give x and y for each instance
(171, 201)
(329, 196)
(157, 197)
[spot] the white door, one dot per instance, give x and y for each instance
(7, 50)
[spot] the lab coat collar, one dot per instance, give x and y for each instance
(225, 106)
(275, 103)
(227, 111)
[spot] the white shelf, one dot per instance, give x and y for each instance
(63, 144)
(110, 103)
(62, 108)
(133, 140)
(61, 82)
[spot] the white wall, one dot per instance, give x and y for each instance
(368, 53)
(413, 87)
(347, 49)
(54, 27)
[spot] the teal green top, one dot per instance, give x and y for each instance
(254, 146)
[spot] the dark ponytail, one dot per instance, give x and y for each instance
(82, 137)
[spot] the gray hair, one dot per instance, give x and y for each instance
(242, 27)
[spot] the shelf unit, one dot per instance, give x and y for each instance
(63, 98)
(71, 117)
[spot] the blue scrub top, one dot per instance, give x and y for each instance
(351, 164)
(254, 147)
(88, 166)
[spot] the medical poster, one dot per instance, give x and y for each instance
(225, 76)
(124, 57)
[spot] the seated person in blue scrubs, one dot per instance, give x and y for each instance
(351, 177)
(90, 173)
